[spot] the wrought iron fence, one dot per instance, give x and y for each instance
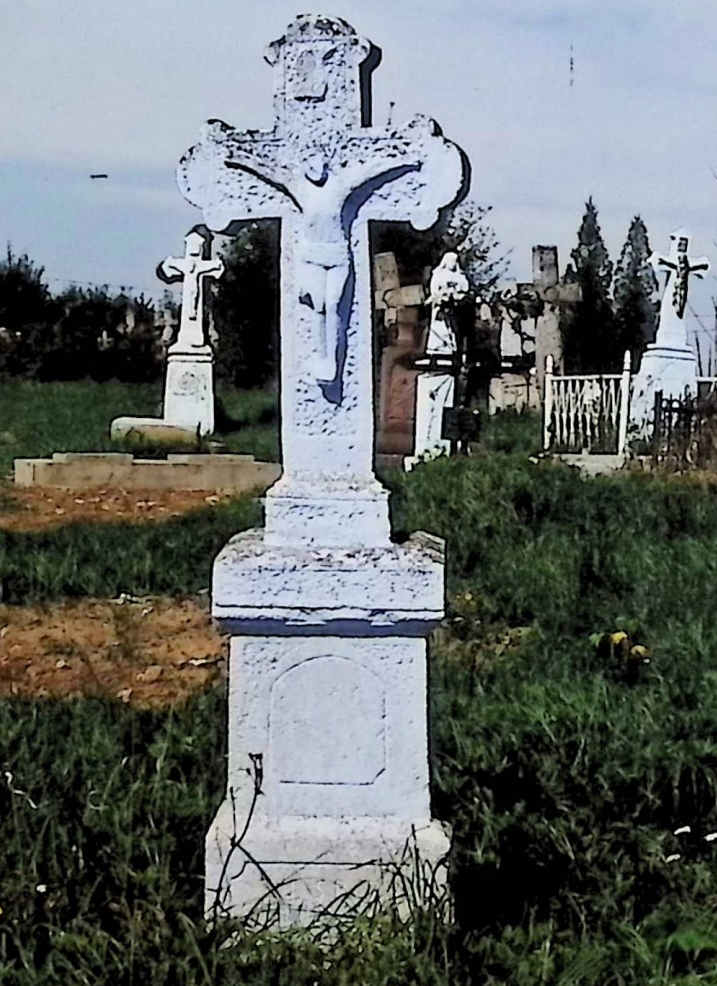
(586, 413)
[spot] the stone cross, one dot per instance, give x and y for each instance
(325, 173)
(679, 266)
(191, 269)
(328, 617)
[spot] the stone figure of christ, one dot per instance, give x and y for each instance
(327, 195)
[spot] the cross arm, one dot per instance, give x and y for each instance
(232, 175)
(434, 172)
(660, 262)
(213, 268)
(171, 269)
(700, 266)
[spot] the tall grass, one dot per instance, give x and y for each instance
(563, 778)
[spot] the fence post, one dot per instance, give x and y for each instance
(624, 403)
(547, 400)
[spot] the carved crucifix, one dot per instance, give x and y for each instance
(191, 269)
(324, 173)
(678, 266)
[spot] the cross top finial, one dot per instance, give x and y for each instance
(318, 67)
(311, 27)
(196, 243)
(680, 239)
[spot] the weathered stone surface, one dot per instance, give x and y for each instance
(327, 704)
(154, 430)
(260, 588)
(325, 174)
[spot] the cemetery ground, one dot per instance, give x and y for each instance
(563, 763)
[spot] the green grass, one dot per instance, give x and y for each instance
(103, 560)
(562, 778)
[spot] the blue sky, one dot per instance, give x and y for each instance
(123, 86)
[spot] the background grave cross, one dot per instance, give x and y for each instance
(678, 265)
(191, 269)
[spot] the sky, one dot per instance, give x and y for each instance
(552, 100)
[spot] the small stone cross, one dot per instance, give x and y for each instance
(191, 269)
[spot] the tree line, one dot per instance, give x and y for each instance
(77, 333)
(619, 303)
(86, 332)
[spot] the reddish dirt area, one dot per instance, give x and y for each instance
(34, 508)
(150, 651)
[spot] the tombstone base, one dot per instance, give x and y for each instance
(307, 868)
(327, 720)
(434, 392)
(262, 588)
(188, 401)
(189, 389)
(672, 370)
(152, 430)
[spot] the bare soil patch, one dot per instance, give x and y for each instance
(152, 651)
(36, 508)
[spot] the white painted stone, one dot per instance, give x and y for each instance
(327, 706)
(325, 175)
(669, 364)
(189, 379)
(340, 725)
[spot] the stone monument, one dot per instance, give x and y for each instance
(436, 382)
(189, 381)
(328, 762)
(668, 364)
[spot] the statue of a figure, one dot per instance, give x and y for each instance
(447, 289)
(325, 196)
(448, 282)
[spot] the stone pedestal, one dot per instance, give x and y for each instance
(189, 389)
(328, 758)
(188, 398)
(434, 393)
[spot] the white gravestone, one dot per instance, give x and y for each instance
(435, 387)
(669, 363)
(327, 697)
(189, 380)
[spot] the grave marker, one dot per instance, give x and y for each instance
(669, 363)
(189, 380)
(327, 704)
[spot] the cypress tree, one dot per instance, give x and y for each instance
(589, 341)
(635, 291)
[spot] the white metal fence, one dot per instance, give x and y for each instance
(586, 413)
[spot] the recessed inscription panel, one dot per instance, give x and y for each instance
(327, 724)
